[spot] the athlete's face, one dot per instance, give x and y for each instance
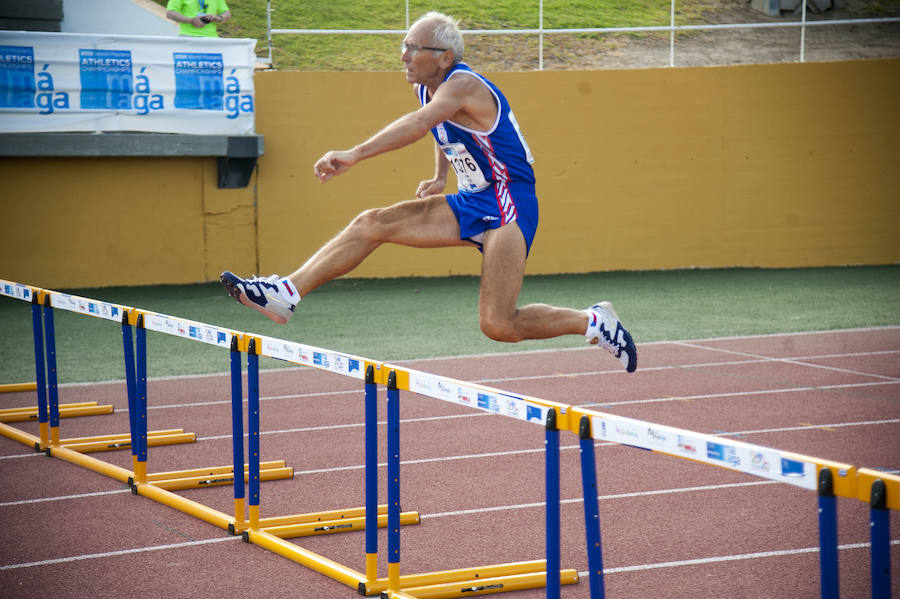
(420, 56)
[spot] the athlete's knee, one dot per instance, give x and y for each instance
(369, 224)
(499, 328)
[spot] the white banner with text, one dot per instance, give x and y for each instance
(57, 82)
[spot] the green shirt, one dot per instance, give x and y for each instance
(192, 8)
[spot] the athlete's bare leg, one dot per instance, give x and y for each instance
(502, 271)
(424, 223)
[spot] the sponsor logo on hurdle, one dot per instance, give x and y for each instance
(723, 453)
(792, 468)
(624, 430)
(445, 389)
(687, 445)
(513, 407)
(758, 461)
(488, 402)
(534, 414)
(17, 291)
(656, 437)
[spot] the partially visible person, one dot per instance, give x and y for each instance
(198, 18)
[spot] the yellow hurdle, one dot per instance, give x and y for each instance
(22, 437)
(123, 441)
(483, 586)
(17, 387)
(325, 527)
(64, 453)
(198, 510)
(460, 575)
(71, 410)
(311, 560)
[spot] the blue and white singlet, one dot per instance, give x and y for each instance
(493, 168)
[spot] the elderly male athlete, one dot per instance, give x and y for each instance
(495, 207)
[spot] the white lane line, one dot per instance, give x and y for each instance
(20, 455)
(64, 497)
(106, 554)
(651, 343)
(540, 504)
(729, 558)
(804, 427)
(328, 427)
(742, 393)
(752, 360)
(799, 361)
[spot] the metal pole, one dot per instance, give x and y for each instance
(40, 371)
(880, 524)
(551, 466)
(393, 446)
(237, 428)
(541, 36)
(269, 28)
(253, 430)
(130, 383)
(828, 548)
(52, 386)
(803, 33)
(591, 509)
(672, 36)
(371, 475)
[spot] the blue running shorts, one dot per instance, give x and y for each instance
(494, 207)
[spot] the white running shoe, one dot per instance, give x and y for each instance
(275, 299)
(605, 330)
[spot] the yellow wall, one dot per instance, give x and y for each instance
(96, 222)
(768, 165)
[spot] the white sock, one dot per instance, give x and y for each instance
(288, 291)
(592, 320)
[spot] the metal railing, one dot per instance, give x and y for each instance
(541, 31)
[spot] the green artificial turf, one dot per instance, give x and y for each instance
(395, 319)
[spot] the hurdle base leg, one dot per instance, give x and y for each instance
(510, 575)
(307, 558)
(11, 432)
(331, 517)
(479, 586)
(325, 527)
(18, 387)
(200, 481)
(123, 441)
(73, 410)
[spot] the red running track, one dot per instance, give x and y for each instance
(670, 528)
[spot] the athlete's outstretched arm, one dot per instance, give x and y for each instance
(448, 100)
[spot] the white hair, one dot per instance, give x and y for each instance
(446, 33)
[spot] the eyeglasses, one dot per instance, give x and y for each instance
(414, 49)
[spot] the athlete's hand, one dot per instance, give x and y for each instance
(334, 163)
(430, 187)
